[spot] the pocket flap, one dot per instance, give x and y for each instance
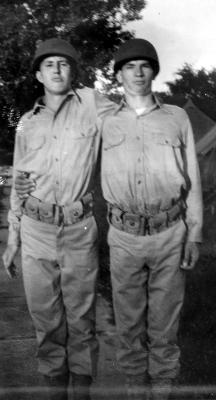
(113, 141)
(167, 140)
(36, 142)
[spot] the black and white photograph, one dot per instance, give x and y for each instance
(107, 200)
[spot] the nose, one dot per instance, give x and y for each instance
(138, 71)
(57, 67)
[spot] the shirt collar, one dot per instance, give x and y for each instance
(39, 104)
(157, 100)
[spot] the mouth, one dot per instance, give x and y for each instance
(139, 82)
(57, 80)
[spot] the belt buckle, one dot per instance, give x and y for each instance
(58, 215)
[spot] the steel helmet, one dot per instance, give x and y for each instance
(135, 49)
(54, 46)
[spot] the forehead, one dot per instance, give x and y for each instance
(54, 58)
(142, 61)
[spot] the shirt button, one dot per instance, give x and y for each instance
(139, 182)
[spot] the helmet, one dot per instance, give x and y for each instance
(54, 46)
(135, 49)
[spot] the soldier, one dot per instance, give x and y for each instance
(151, 181)
(57, 146)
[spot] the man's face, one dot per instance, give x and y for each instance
(55, 74)
(136, 76)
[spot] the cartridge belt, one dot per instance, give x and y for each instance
(145, 224)
(57, 214)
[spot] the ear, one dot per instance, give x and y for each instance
(119, 76)
(39, 76)
(73, 72)
(154, 76)
(73, 75)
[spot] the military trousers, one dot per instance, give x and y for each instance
(60, 266)
(148, 292)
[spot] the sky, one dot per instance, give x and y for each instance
(183, 31)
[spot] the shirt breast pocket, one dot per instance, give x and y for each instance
(162, 139)
(166, 154)
(113, 141)
(82, 146)
(85, 132)
(36, 143)
(36, 155)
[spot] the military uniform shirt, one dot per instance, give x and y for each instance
(149, 162)
(59, 150)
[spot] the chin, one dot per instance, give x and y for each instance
(145, 92)
(61, 91)
(141, 93)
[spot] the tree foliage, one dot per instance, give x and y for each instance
(199, 85)
(95, 27)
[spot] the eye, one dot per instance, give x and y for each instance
(64, 64)
(146, 66)
(129, 66)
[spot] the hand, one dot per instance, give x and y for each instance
(8, 260)
(24, 185)
(191, 255)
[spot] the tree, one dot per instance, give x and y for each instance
(95, 27)
(199, 85)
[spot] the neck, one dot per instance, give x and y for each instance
(138, 101)
(53, 101)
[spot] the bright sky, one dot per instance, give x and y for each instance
(183, 31)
